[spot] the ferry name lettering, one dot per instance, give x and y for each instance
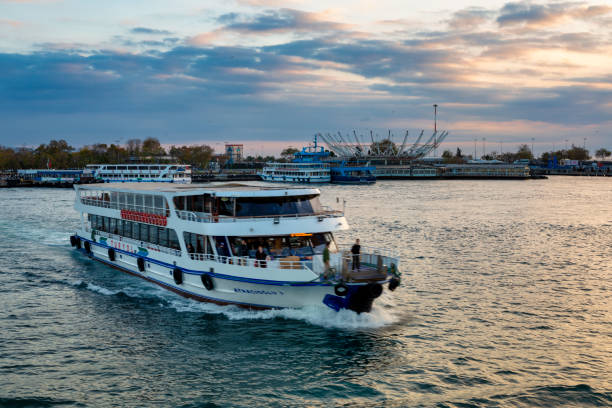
(258, 292)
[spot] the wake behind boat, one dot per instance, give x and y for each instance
(255, 247)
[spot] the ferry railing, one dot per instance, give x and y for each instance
(209, 218)
(136, 243)
(371, 255)
(276, 263)
(96, 202)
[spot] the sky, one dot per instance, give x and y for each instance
(271, 73)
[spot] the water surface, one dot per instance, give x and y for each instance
(505, 302)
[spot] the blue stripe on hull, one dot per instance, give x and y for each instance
(182, 292)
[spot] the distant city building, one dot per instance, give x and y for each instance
(234, 152)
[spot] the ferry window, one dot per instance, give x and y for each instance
(144, 232)
(120, 167)
(135, 231)
(163, 237)
(159, 202)
(152, 168)
(106, 224)
(148, 201)
(111, 167)
(153, 232)
(178, 203)
(173, 239)
(253, 206)
(112, 228)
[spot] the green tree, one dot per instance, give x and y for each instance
(578, 153)
(524, 153)
(152, 147)
(383, 147)
(603, 153)
(289, 153)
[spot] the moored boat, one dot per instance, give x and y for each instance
(126, 173)
(230, 244)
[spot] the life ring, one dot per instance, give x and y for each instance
(87, 246)
(177, 274)
(141, 264)
(341, 289)
(207, 282)
(111, 254)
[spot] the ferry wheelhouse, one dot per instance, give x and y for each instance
(163, 173)
(230, 244)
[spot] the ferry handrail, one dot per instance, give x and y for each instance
(369, 250)
(276, 263)
(207, 217)
(96, 202)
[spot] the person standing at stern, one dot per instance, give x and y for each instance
(356, 250)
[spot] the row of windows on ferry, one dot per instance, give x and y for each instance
(142, 176)
(300, 173)
(134, 167)
(302, 246)
(249, 206)
(149, 203)
(153, 234)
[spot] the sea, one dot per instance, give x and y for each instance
(506, 301)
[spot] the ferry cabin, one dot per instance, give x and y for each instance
(203, 243)
(168, 173)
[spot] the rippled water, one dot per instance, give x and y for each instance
(506, 301)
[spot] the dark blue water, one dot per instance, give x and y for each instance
(506, 302)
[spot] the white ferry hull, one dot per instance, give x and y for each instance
(227, 290)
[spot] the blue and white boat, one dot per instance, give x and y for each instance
(307, 167)
(230, 244)
(346, 172)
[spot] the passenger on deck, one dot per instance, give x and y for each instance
(356, 250)
(190, 248)
(223, 251)
(326, 271)
(261, 257)
(242, 251)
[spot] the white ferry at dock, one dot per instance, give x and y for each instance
(201, 243)
(126, 173)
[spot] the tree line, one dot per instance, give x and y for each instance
(58, 154)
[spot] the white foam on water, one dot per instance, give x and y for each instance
(322, 315)
(317, 315)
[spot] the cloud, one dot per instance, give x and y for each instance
(538, 15)
(321, 76)
(281, 20)
(152, 31)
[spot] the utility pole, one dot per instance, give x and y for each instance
(475, 140)
(532, 140)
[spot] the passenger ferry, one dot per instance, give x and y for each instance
(306, 167)
(235, 244)
(168, 173)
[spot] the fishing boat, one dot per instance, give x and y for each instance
(307, 166)
(126, 173)
(250, 246)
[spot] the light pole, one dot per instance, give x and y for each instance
(532, 140)
(435, 106)
(484, 146)
(475, 140)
